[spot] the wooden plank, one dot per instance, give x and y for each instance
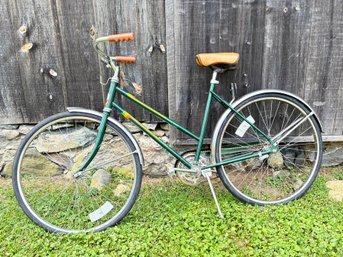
(60, 33)
(303, 46)
(26, 96)
(146, 19)
(290, 45)
(324, 77)
(212, 26)
(73, 21)
(10, 80)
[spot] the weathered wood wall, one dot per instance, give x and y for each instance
(60, 31)
(291, 45)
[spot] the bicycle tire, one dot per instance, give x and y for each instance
(85, 204)
(281, 177)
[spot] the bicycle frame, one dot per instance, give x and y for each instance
(110, 104)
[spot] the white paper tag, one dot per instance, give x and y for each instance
(101, 212)
(244, 127)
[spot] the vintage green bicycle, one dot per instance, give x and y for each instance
(81, 170)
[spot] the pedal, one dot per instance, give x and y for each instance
(171, 172)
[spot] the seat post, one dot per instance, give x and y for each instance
(214, 77)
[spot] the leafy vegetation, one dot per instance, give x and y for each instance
(171, 219)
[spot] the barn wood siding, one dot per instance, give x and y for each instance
(291, 45)
(60, 32)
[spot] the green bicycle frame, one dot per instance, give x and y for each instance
(115, 88)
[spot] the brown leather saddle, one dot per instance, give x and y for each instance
(219, 62)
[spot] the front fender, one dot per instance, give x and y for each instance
(245, 97)
(117, 123)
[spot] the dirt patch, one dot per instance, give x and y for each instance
(5, 182)
(153, 181)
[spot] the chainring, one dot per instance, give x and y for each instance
(190, 178)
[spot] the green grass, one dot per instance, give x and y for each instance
(171, 219)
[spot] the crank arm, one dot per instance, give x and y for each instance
(184, 170)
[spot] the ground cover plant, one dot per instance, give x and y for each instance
(172, 219)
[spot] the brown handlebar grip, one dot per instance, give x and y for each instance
(127, 59)
(121, 37)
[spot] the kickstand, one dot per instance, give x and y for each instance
(207, 175)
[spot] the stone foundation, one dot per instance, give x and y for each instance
(156, 159)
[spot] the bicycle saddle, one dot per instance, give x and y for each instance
(217, 59)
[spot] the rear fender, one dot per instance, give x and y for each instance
(245, 97)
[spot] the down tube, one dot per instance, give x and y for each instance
(152, 135)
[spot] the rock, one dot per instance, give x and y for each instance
(335, 185)
(9, 134)
(132, 127)
(159, 133)
(298, 184)
(12, 145)
(100, 179)
(59, 141)
(281, 173)
(294, 157)
(35, 164)
(7, 170)
(147, 144)
(11, 127)
(8, 156)
(150, 126)
(275, 160)
(107, 137)
(155, 157)
(121, 189)
(6, 162)
(77, 160)
(126, 172)
(24, 129)
(289, 155)
(333, 155)
(335, 190)
(164, 126)
(253, 164)
(165, 139)
(61, 160)
(336, 195)
(300, 157)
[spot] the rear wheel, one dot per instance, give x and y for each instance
(281, 176)
(49, 156)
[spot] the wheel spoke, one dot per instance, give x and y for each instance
(61, 201)
(279, 176)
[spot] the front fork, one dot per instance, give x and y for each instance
(102, 128)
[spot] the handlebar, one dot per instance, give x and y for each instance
(114, 38)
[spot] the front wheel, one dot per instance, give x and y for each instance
(53, 151)
(280, 176)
